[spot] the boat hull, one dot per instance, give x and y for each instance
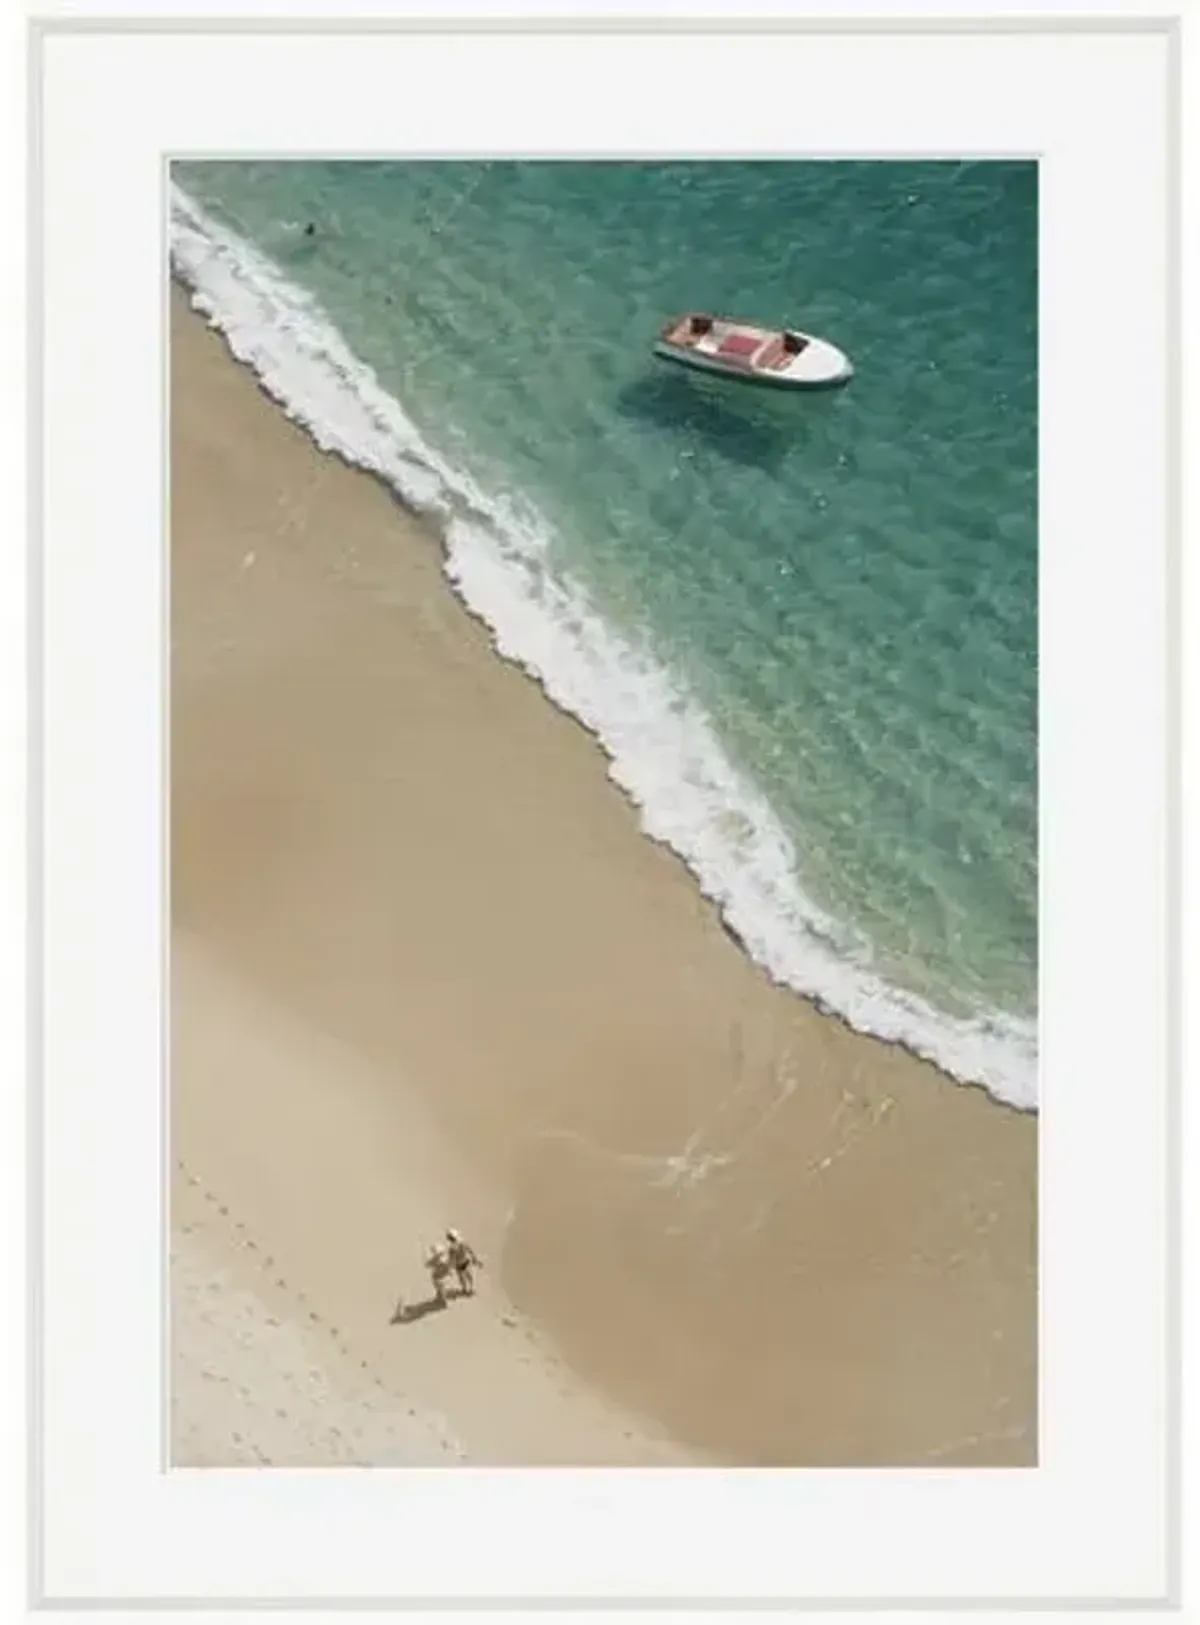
(697, 361)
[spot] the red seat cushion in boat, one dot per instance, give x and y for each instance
(740, 344)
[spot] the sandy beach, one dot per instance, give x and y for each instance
(428, 969)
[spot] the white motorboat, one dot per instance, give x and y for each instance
(778, 356)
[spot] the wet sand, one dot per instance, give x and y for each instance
(706, 1205)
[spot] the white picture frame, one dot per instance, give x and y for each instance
(1095, 1520)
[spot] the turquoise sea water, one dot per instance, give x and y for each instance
(804, 626)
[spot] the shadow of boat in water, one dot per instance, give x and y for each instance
(751, 435)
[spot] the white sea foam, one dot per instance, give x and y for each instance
(661, 747)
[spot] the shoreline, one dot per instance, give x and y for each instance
(578, 660)
(610, 1095)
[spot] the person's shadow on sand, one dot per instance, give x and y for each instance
(405, 1313)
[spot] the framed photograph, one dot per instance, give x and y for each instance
(605, 600)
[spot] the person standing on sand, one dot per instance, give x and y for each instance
(437, 1262)
(462, 1260)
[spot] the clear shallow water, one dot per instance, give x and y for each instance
(804, 626)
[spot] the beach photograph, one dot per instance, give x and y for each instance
(603, 813)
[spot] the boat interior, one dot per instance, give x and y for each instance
(736, 344)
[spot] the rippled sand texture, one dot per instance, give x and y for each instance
(255, 1387)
